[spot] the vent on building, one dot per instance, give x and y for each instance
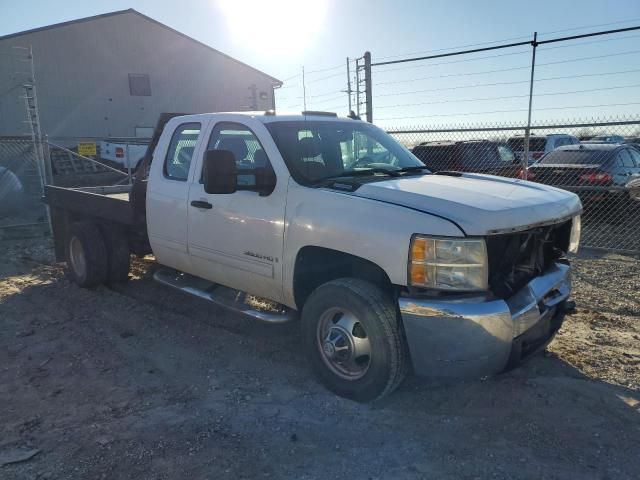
(139, 84)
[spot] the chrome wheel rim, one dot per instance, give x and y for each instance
(343, 343)
(76, 254)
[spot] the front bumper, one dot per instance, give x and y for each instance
(476, 337)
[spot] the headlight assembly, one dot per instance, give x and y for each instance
(448, 264)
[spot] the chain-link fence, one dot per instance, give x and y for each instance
(598, 160)
(66, 162)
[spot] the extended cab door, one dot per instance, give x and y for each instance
(168, 190)
(236, 239)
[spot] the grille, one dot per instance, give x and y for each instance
(516, 258)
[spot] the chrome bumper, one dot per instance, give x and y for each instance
(476, 337)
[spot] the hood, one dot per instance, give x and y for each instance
(479, 204)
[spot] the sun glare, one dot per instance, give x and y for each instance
(274, 27)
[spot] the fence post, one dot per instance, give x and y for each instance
(128, 164)
(527, 132)
(367, 86)
(48, 168)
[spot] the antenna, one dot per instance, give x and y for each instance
(348, 91)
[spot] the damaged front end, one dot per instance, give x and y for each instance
(516, 258)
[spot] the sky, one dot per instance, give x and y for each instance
(582, 79)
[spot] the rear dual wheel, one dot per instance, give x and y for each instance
(97, 254)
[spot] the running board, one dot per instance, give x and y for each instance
(222, 296)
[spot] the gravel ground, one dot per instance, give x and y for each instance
(143, 382)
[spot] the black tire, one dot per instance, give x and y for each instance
(118, 254)
(388, 362)
(91, 250)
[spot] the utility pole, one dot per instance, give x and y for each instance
(304, 91)
(527, 133)
(367, 86)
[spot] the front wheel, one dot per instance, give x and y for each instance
(353, 338)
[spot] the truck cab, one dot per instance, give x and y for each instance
(333, 223)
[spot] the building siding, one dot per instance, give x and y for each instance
(82, 77)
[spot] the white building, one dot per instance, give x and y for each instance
(111, 75)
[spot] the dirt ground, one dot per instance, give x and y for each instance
(142, 382)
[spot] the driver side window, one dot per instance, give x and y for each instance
(245, 146)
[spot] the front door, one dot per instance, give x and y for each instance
(236, 239)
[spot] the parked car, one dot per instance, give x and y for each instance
(124, 155)
(607, 139)
(481, 156)
(459, 274)
(598, 172)
(540, 144)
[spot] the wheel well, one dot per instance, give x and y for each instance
(317, 265)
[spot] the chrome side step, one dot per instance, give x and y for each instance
(223, 296)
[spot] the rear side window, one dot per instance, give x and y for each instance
(478, 154)
(575, 157)
(635, 156)
(436, 157)
(180, 153)
(625, 158)
(536, 144)
(506, 154)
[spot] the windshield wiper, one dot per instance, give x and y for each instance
(361, 173)
(414, 169)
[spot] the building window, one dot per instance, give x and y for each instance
(139, 84)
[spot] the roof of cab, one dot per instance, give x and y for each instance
(271, 117)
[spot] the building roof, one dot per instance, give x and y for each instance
(131, 10)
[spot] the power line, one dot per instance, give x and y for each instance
(328, 69)
(509, 96)
(291, 78)
(452, 75)
(534, 43)
(455, 47)
(454, 61)
(514, 82)
(511, 39)
(327, 77)
(590, 26)
(602, 40)
(510, 111)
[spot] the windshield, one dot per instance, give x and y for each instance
(315, 150)
(536, 144)
(575, 157)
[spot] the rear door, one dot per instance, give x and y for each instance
(237, 239)
(168, 190)
(635, 156)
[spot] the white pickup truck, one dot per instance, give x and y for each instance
(332, 221)
(127, 155)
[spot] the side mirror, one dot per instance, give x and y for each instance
(265, 181)
(219, 173)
